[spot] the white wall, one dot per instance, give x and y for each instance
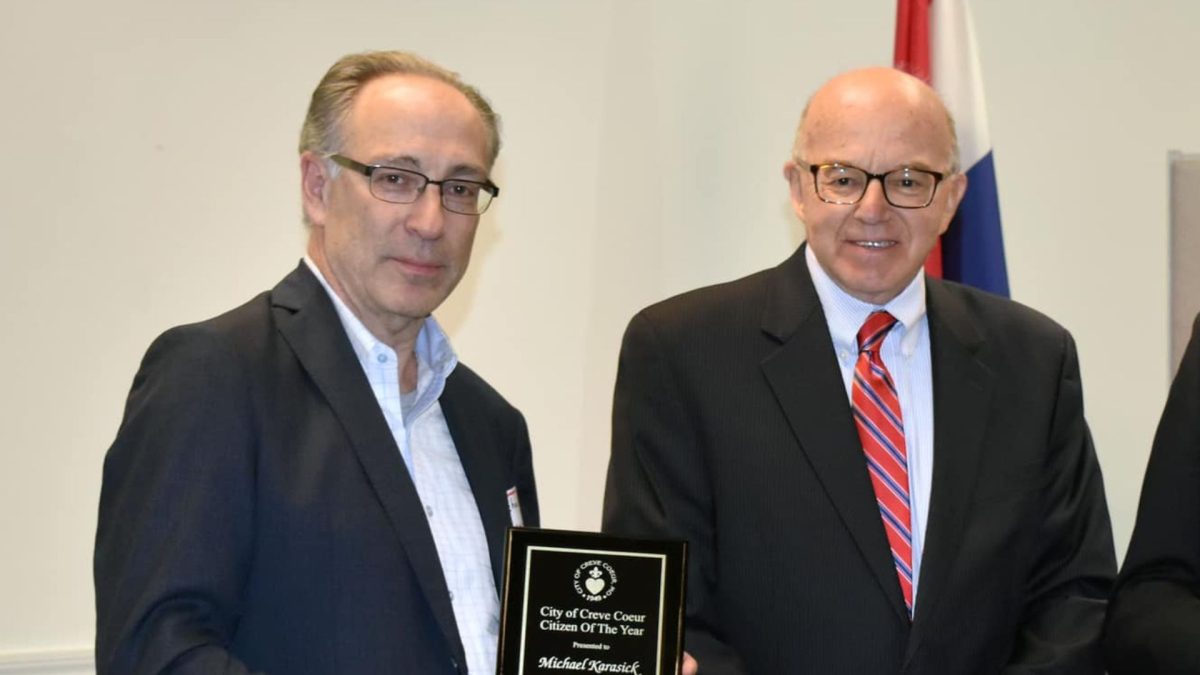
(149, 178)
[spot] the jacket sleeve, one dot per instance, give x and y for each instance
(658, 484)
(175, 531)
(1065, 594)
(1154, 622)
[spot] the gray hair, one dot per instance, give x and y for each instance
(331, 100)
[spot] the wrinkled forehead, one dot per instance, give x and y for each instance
(878, 121)
(417, 118)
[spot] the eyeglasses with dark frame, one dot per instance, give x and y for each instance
(904, 188)
(405, 186)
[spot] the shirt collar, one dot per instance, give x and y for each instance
(435, 357)
(845, 313)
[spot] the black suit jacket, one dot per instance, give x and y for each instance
(256, 514)
(1154, 624)
(731, 429)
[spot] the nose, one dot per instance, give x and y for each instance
(873, 206)
(426, 218)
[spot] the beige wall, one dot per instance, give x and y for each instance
(149, 178)
(1185, 249)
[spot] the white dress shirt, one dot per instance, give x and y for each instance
(906, 354)
(419, 428)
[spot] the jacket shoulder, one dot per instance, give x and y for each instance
(242, 322)
(732, 302)
(996, 319)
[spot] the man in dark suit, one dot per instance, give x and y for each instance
(312, 482)
(1154, 624)
(877, 472)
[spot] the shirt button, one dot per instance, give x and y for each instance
(494, 626)
(382, 358)
(428, 510)
(451, 596)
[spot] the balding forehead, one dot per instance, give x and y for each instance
(877, 88)
(874, 89)
(878, 81)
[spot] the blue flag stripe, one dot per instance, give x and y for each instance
(973, 247)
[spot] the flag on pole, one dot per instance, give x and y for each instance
(935, 41)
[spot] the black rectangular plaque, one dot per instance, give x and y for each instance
(590, 603)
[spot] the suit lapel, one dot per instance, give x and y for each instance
(310, 325)
(804, 376)
(476, 445)
(962, 393)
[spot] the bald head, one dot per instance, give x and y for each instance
(874, 179)
(871, 93)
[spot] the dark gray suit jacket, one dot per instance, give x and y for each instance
(731, 429)
(256, 514)
(1154, 624)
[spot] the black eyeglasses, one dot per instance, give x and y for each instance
(905, 188)
(404, 186)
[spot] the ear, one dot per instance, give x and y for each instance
(794, 175)
(951, 190)
(314, 179)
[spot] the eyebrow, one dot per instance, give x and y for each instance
(462, 171)
(918, 165)
(921, 166)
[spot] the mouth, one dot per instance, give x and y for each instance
(416, 267)
(875, 244)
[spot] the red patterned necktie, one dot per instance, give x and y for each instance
(881, 429)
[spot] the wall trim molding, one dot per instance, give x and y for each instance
(48, 662)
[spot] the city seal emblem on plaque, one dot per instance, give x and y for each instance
(595, 580)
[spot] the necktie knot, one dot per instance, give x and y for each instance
(874, 330)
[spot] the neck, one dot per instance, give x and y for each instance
(400, 333)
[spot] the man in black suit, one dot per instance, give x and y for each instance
(1154, 624)
(909, 492)
(312, 482)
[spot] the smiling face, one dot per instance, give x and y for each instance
(877, 120)
(393, 264)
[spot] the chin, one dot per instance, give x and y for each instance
(872, 292)
(416, 307)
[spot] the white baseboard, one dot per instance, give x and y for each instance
(57, 662)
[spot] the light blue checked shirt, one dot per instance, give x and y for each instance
(907, 357)
(421, 433)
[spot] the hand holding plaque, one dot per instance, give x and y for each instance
(591, 603)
